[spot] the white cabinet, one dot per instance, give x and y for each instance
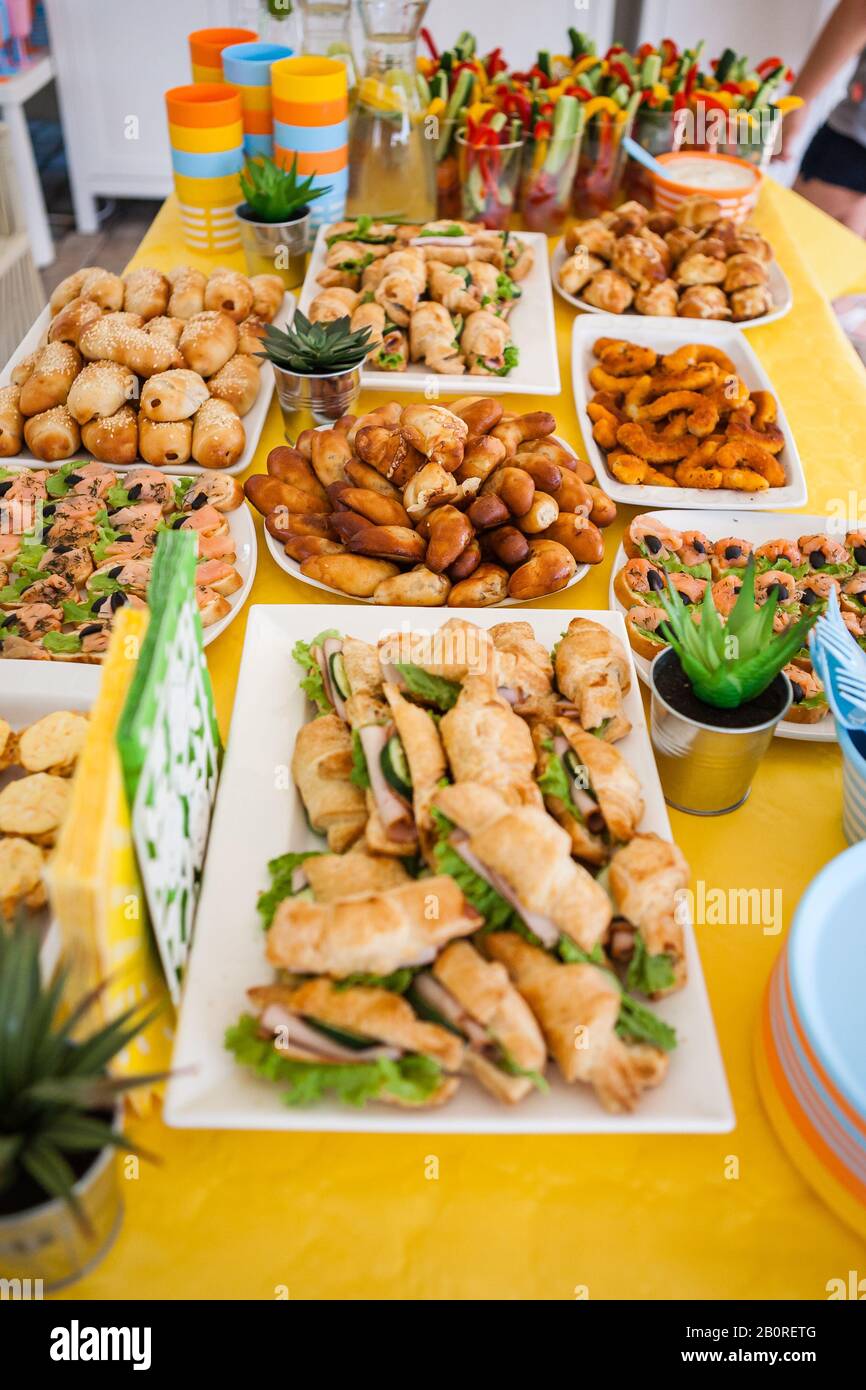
(114, 59)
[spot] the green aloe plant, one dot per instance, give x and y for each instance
(54, 1083)
(732, 663)
(316, 349)
(275, 194)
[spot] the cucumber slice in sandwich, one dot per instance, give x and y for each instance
(395, 767)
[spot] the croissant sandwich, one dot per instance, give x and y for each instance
(370, 933)
(359, 1044)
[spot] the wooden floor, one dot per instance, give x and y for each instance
(111, 247)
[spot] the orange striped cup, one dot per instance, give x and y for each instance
(206, 51)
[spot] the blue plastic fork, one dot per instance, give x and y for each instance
(841, 666)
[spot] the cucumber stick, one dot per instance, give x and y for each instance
(566, 127)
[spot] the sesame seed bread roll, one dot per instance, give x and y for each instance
(231, 292)
(49, 383)
(237, 382)
(146, 292)
(208, 341)
(218, 435)
(100, 390)
(174, 395)
(113, 439)
(187, 292)
(164, 442)
(53, 435)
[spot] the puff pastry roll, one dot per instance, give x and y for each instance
(432, 338)
(173, 395)
(187, 292)
(11, 422)
(342, 875)
(237, 382)
(218, 436)
(578, 1007)
(101, 389)
(208, 341)
(50, 381)
(113, 438)
(486, 742)
(526, 857)
(370, 933)
(646, 877)
(231, 293)
(321, 767)
(592, 672)
(146, 292)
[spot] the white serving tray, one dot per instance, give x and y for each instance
(665, 335)
(246, 555)
(257, 818)
(753, 527)
(532, 328)
(253, 421)
(778, 283)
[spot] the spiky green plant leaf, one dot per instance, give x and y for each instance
(730, 664)
(275, 194)
(316, 349)
(52, 1079)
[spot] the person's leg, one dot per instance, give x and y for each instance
(846, 205)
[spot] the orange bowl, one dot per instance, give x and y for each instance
(735, 202)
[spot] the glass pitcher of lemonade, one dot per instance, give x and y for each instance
(325, 32)
(392, 175)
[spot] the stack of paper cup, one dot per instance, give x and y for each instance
(247, 66)
(311, 121)
(206, 135)
(206, 48)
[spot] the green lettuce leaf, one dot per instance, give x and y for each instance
(555, 781)
(117, 496)
(434, 690)
(181, 488)
(636, 1022)
(61, 642)
(412, 1078)
(57, 486)
(312, 683)
(648, 973)
(505, 1062)
(77, 612)
(280, 870)
(510, 359)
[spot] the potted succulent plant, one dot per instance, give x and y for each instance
(274, 220)
(718, 692)
(317, 366)
(60, 1205)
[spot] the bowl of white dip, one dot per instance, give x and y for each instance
(732, 183)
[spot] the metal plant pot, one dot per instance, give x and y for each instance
(707, 769)
(325, 398)
(44, 1248)
(275, 248)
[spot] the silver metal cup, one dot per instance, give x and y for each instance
(275, 248)
(323, 398)
(706, 770)
(45, 1248)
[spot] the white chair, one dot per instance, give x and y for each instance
(22, 297)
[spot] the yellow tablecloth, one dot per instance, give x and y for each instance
(229, 1215)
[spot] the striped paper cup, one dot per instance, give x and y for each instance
(210, 227)
(324, 162)
(206, 49)
(736, 202)
(853, 788)
(205, 139)
(310, 112)
(811, 1045)
(208, 192)
(309, 80)
(203, 106)
(247, 66)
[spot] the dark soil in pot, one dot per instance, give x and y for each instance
(26, 1194)
(246, 212)
(674, 687)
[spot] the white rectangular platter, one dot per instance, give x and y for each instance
(754, 527)
(253, 421)
(258, 817)
(532, 327)
(665, 335)
(778, 284)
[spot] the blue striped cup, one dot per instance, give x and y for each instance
(208, 166)
(853, 788)
(249, 64)
(311, 139)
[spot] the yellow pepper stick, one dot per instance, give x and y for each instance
(600, 104)
(583, 63)
(436, 107)
(661, 91)
(478, 108)
(750, 84)
(788, 103)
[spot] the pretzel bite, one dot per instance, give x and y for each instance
(208, 341)
(146, 292)
(53, 435)
(659, 300)
(609, 291)
(751, 303)
(218, 435)
(11, 422)
(703, 302)
(594, 235)
(164, 442)
(698, 211)
(237, 382)
(48, 385)
(113, 438)
(100, 390)
(577, 270)
(187, 292)
(71, 322)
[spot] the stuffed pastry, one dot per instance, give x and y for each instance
(487, 742)
(375, 933)
(321, 767)
(505, 1050)
(524, 671)
(521, 853)
(433, 338)
(589, 788)
(578, 1007)
(331, 876)
(361, 1044)
(647, 877)
(592, 672)
(486, 344)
